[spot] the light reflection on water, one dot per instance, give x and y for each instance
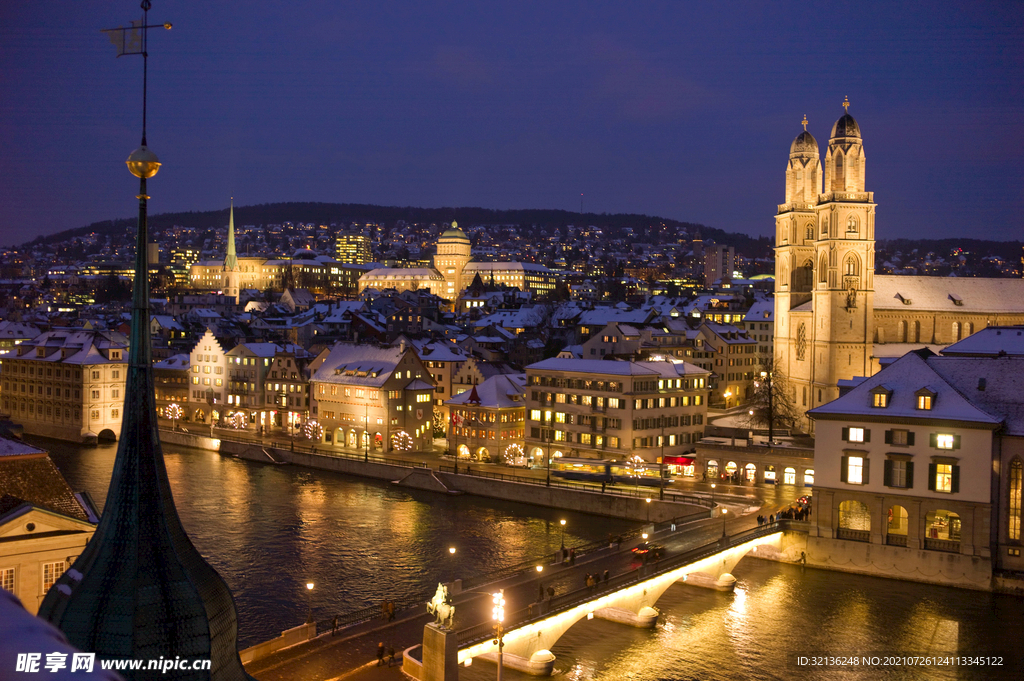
(270, 529)
(781, 611)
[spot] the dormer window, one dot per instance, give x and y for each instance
(925, 399)
(880, 397)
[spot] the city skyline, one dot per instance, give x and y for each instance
(659, 110)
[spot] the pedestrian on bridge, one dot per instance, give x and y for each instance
(572, 556)
(380, 653)
(604, 578)
(391, 655)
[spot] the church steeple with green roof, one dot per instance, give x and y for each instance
(140, 589)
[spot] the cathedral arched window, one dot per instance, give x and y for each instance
(823, 269)
(801, 342)
(851, 224)
(968, 329)
(852, 267)
(956, 331)
(901, 332)
(809, 231)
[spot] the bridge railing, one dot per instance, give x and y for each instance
(616, 490)
(483, 631)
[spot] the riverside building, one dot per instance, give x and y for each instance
(918, 471)
(67, 384)
(605, 409)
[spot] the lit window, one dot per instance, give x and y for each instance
(924, 401)
(943, 477)
(856, 435)
(944, 441)
(51, 573)
(7, 579)
(881, 400)
(535, 414)
(855, 470)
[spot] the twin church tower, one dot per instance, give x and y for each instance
(824, 266)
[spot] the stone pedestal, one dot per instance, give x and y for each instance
(440, 654)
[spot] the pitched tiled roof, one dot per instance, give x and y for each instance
(33, 477)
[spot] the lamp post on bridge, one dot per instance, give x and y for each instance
(498, 614)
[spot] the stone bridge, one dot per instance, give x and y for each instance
(628, 599)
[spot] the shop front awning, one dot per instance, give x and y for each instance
(679, 460)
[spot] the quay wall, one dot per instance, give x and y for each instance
(420, 476)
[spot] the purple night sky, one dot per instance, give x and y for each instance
(684, 110)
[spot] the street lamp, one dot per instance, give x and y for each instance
(648, 510)
(309, 600)
(562, 522)
(712, 495)
(498, 613)
(724, 511)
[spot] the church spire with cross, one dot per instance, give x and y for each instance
(232, 275)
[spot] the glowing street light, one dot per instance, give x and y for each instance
(724, 511)
(562, 522)
(451, 550)
(712, 495)
(498, 614)
(648, 510)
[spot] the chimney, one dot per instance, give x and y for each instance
(401, 346)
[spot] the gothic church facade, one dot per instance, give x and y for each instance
(835, 318)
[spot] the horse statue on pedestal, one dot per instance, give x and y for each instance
(440, 606)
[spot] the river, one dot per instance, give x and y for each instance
(270, 529)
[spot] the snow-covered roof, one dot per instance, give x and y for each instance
(614, 368)
(496, 392)
(258, 349)
(179, 362)
(761, 311)
(419, 384)
(358, 364)
(991, 341)
(385, 274)
(904, 378)
(948, 294)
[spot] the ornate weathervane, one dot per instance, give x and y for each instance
(846, 104)
(804, 121)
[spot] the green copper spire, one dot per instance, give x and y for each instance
(231, 261)
(140, 589)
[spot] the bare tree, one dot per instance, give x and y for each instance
(771, 406)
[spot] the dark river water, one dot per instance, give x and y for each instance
(268, 530)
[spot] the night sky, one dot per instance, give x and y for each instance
(679, 109)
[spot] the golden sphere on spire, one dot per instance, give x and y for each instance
(143, 163)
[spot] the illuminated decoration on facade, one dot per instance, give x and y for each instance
(174, 412)
(401, 441)
(238, 420)
(514, 454)
(313, 431)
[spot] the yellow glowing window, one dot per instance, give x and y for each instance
(855, 470)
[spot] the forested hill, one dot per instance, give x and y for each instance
(347, 213)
